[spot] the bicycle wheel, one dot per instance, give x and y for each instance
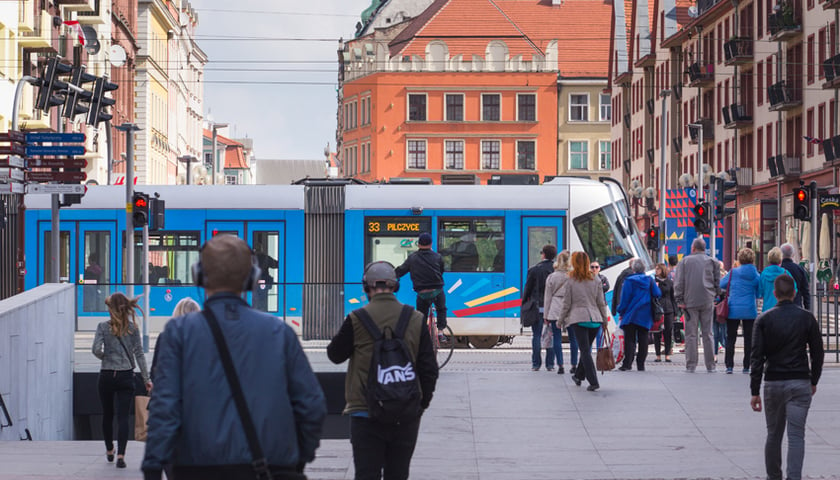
(444, 345)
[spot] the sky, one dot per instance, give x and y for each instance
(291, 48)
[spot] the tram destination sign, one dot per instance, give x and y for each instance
(55, 176)
(56, 163)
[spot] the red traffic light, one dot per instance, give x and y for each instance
(140, 202)
(701, 210)
(801, 195)
(652, 233)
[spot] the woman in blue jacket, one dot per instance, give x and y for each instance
(742, 286)
(768, 276)
(636, 315)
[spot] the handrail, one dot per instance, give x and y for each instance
(5, 413)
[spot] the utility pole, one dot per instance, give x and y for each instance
(815, 207)
(662, 174)
(713, 230)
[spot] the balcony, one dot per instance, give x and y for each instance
(77, 5)
(831, 67)
(626, 120)
(783, 166)
(677, 142)
(97, 16)
(743, 179)
(831, 149)
(40, 36)
(708, 131)
(736, 116)
(701, 75)
(738, 51)
(650, 155)
(831, 4)
(784, 24)
(784, 97)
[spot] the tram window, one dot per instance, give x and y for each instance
(538, 237)
(393, 239)
(63, 257)
(472, 244)
(601, 238)
(267, 250)
(97, 271)
(171, 255)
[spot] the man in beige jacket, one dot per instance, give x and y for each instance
(695, 288)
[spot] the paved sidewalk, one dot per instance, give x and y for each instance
(659, 424)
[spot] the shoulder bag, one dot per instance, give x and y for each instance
(722, 305)
(262, 469)
(657, 313)
(529, 312)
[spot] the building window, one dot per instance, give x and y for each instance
(526, 155)
(526, 107)
(417, 154)
(417, 107)
(491, 107)
(491, 157)
(578, 155)
(579, 107)
(605, 155)
(454, 153)
(230, 180)
(605, 112)
(454, 107)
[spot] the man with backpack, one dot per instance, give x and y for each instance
(390, 378)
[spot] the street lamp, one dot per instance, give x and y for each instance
(214, 127)
(701, 192)
(188, 159)
(662, 171)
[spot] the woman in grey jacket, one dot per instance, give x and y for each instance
(584, 311)
(553, 302)
(117, 344)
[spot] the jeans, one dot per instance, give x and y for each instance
(702, 318)
(119, 384)
(536, 346)
(423, 304)
(786, 403)
(720, 335)
(667, 335)
(586, 368)
(382, 451)
(732, 336)
(632, 334)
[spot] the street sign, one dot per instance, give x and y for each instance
(10, 174)
(54, 176)
(68, 137)
(15, 149)
(66, 150)
(11, 188)
(13, 161)
(829, 202)
(13, 136)
(40, 188)
(56, 163)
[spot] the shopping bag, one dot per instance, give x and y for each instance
(141, 416)
(618, 344)
(547, 339)
(604, 360)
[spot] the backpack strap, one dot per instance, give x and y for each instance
(402, 324)
(367, 322)
(259, 463)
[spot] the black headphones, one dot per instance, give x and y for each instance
(250, 280)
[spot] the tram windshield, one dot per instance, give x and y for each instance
(603, 238)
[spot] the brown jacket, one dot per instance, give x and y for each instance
(583, 302)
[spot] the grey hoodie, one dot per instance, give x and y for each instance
(107, 347)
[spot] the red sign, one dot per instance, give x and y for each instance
(13, 136)
(57, 163)
(56, 176)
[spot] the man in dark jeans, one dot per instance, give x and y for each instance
(381, 448)
(426, 267)
(535, 288)
(781, 337)
(800, 276)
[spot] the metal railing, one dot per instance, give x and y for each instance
(828, 315)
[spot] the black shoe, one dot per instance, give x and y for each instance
(592, 388)
(110, 456)
(120, 463)
(576, 380)
(573, 370)
(560, 370)
(641, 369)
(624, 369)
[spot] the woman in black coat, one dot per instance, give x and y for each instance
(669, 306)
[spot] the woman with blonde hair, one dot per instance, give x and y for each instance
(183, 307)
(117, 344)
(584, 311)
(553, 302)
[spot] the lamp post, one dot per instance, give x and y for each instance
(662, 176)
(214, 127)
(188, 159)
(701, 194)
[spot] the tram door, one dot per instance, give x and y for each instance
(537, 232)
(266, 239)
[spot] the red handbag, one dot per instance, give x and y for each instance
(722, 309)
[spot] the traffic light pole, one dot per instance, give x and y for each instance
(55, 226)
(713, 230)
(146, 287)
(814, 215)
(662, 175)
(129, 129)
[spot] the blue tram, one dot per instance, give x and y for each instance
(313, 240)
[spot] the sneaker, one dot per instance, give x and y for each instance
(535, 369)
(592, 388)
(746, 370)
(711, 370)
(573, 370)
(624, 369)
(729, 371)
(549, 369)
(689, 370)
(561, 370)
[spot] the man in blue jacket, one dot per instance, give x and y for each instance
(193, 421)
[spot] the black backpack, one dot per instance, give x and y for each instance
(393, 389)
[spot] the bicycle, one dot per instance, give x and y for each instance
(443, 342)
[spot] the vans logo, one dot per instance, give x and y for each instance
(395, 374)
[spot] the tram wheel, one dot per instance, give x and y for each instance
(484, 341)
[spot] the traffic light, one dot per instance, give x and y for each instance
(99, 102)
(721, 198)
(802, 204)
(140, 202)
(52, 88)
(157, 214)
(78, 77)
(702, 222)
(652, 238)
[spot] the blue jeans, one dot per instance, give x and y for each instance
(558, 342)
(719, 330)
(536, 347)
(786, 403)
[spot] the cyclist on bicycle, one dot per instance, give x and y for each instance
(426, 267)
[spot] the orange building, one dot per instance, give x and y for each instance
(477, 88)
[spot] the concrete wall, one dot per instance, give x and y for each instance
(36, 362)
